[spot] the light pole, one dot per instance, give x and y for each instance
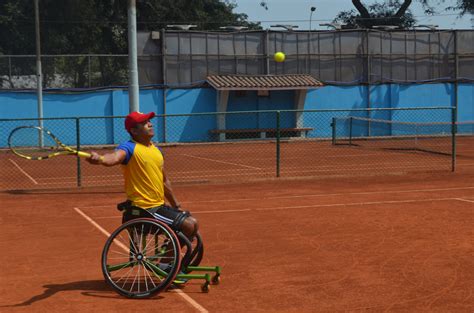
(311, 16)
(39, 77)
(133, 84)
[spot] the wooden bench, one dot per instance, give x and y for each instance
(252, 133)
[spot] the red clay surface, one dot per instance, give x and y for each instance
(384, 244)
(241, 161)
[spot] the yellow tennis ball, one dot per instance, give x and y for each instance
(279, 57)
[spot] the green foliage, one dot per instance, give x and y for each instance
(385, 13)
(461, 6)
(378, 14)
(464, 6)
(97, 27)
(206, 14)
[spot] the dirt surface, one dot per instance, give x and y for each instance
(396, 243)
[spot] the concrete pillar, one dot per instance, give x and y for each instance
(222, 100)
(300, 98)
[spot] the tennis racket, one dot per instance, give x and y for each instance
(36, 143)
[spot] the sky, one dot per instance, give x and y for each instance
(298, 12)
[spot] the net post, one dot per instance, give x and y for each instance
(350, 131)
(78, 148)
(333, 126)
(417, 134)
(453, 139)
(277, 143)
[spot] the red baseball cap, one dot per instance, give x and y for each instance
(135, 118)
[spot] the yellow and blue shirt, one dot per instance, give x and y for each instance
(143, 174)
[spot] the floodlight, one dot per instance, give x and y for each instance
(234, 28)
(430, 27)
(287, 27)
(386, 27)
(181, 27)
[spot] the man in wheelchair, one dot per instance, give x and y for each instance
(153, 233)
(146, 184)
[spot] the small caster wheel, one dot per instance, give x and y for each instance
(216, 280)
(205, 288)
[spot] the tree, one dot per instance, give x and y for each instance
(382, 13)
(206, 14)
(97, 27)
(395, 13)
(461, 6)
(378, 14)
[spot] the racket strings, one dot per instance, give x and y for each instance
(33, 142)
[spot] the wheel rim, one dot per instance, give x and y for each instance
(141, 258)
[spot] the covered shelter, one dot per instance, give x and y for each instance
(263, 84)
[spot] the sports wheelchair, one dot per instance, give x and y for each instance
(145, 256)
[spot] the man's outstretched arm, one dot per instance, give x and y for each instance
(109, 159)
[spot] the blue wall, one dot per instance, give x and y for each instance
(15, 105)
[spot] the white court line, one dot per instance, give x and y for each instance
(190, 300)
(222, 211)
(218, 161)
(332, 194)
(21, 170)
(273, 208)
(195, 213)
(304, 196)
(90, 220)
(88, 176)
(352, 204)
(465, 200)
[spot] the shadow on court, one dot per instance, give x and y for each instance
(92, 288)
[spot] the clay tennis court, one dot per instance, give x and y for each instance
(244, 160)
(392, 243)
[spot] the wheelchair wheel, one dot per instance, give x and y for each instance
(141, 258)
(198, 252)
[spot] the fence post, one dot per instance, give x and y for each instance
(90, 71)
(453, 138)
(350, 131)
(333, 125)
(277, 143)
(78, 148)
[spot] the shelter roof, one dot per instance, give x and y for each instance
(263, 82)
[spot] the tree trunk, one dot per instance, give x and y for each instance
(403, 8)
(364, 13)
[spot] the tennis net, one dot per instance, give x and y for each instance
(430, 137)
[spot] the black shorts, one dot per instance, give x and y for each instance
(166, 214)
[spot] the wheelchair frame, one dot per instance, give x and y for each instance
(144, 256)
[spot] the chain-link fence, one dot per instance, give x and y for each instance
(64, 71)
(317, 143)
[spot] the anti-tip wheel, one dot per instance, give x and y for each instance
(205, 288)
(216, 280)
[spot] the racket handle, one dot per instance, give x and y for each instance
(88, 155)
(83, 154)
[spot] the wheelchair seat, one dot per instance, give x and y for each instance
(131, 212)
